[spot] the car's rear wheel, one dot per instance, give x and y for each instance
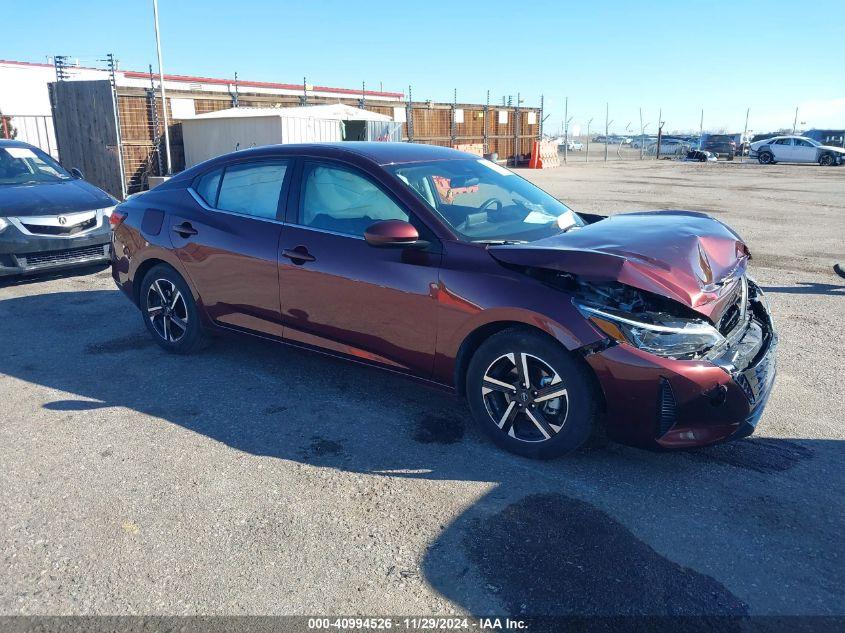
(530, 395)
(170, 312)
(765, 158)
(826, 160)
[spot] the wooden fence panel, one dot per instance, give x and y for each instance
(84, 116)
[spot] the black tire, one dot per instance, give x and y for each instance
(766, 158)
(544, 429)
(827, 160)
(163, 281)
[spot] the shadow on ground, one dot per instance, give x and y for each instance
(611, 530)
(809, 288)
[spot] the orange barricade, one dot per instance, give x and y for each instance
(543, 155)
(548, 156)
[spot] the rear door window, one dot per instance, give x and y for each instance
(252, 188)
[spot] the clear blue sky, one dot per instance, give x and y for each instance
(678, 55)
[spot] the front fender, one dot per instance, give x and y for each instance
(473, 303)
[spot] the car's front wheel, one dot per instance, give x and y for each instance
(170, 312)
(765, 158)
(826, 160)
(530, 395)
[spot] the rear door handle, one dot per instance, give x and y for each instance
(298, 255)
(185, 229)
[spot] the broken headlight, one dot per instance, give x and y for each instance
(655, 332)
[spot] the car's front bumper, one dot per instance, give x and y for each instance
(663, 403)
(28, 254)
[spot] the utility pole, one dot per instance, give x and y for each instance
(113, 81)
(659, 133)
(60, 64)
(642, 134)
(163, 94)
(235, 94)
(744, 135)
(565, 129)
(484, 139)
(154, 121)
(587, 155)
(701, 128)
(409, 116)
(453, 125)
(795, 121)
(606, 127)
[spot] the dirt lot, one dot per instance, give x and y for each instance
(258, 479)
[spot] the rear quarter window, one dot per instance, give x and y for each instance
(207, 186)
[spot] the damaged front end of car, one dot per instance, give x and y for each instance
(688, 351)
(671, 377)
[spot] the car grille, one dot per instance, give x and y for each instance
(756, 381)
(39, 229)
(68, 255)
(737, 310)
(666, 408)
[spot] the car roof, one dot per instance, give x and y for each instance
(378, 152)
(5, 142)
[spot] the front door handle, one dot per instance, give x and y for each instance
(185, 229)
(298, 255)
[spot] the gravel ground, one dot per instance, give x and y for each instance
(256, 479)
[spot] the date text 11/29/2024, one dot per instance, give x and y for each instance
(417, 624)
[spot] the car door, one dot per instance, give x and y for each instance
(340, 293)
(228, 242)
(782, 149)
(804, 151)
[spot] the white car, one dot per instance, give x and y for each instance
(796, 149)
(574, 146)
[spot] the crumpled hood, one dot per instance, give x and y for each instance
(686, 256)
(833, 148)
(52, 198)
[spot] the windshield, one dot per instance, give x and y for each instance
(483, 202)
(26, 166)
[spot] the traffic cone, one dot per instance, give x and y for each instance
(534, 162)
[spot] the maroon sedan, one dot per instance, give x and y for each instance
(455, 271)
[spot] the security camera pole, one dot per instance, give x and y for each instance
(161, 83)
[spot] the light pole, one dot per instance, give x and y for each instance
(161, 83)
(744, 136)
(587, 155)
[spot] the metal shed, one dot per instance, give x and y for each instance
(208, 135)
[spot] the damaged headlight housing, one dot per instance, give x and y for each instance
(657, 333)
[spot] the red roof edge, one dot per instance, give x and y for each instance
(211, 80)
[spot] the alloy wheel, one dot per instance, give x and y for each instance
(525, 397)
(167, 310)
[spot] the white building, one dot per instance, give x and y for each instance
(24, 95)
(215, 133)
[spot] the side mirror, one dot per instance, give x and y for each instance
(76, 173)
(393, 233)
